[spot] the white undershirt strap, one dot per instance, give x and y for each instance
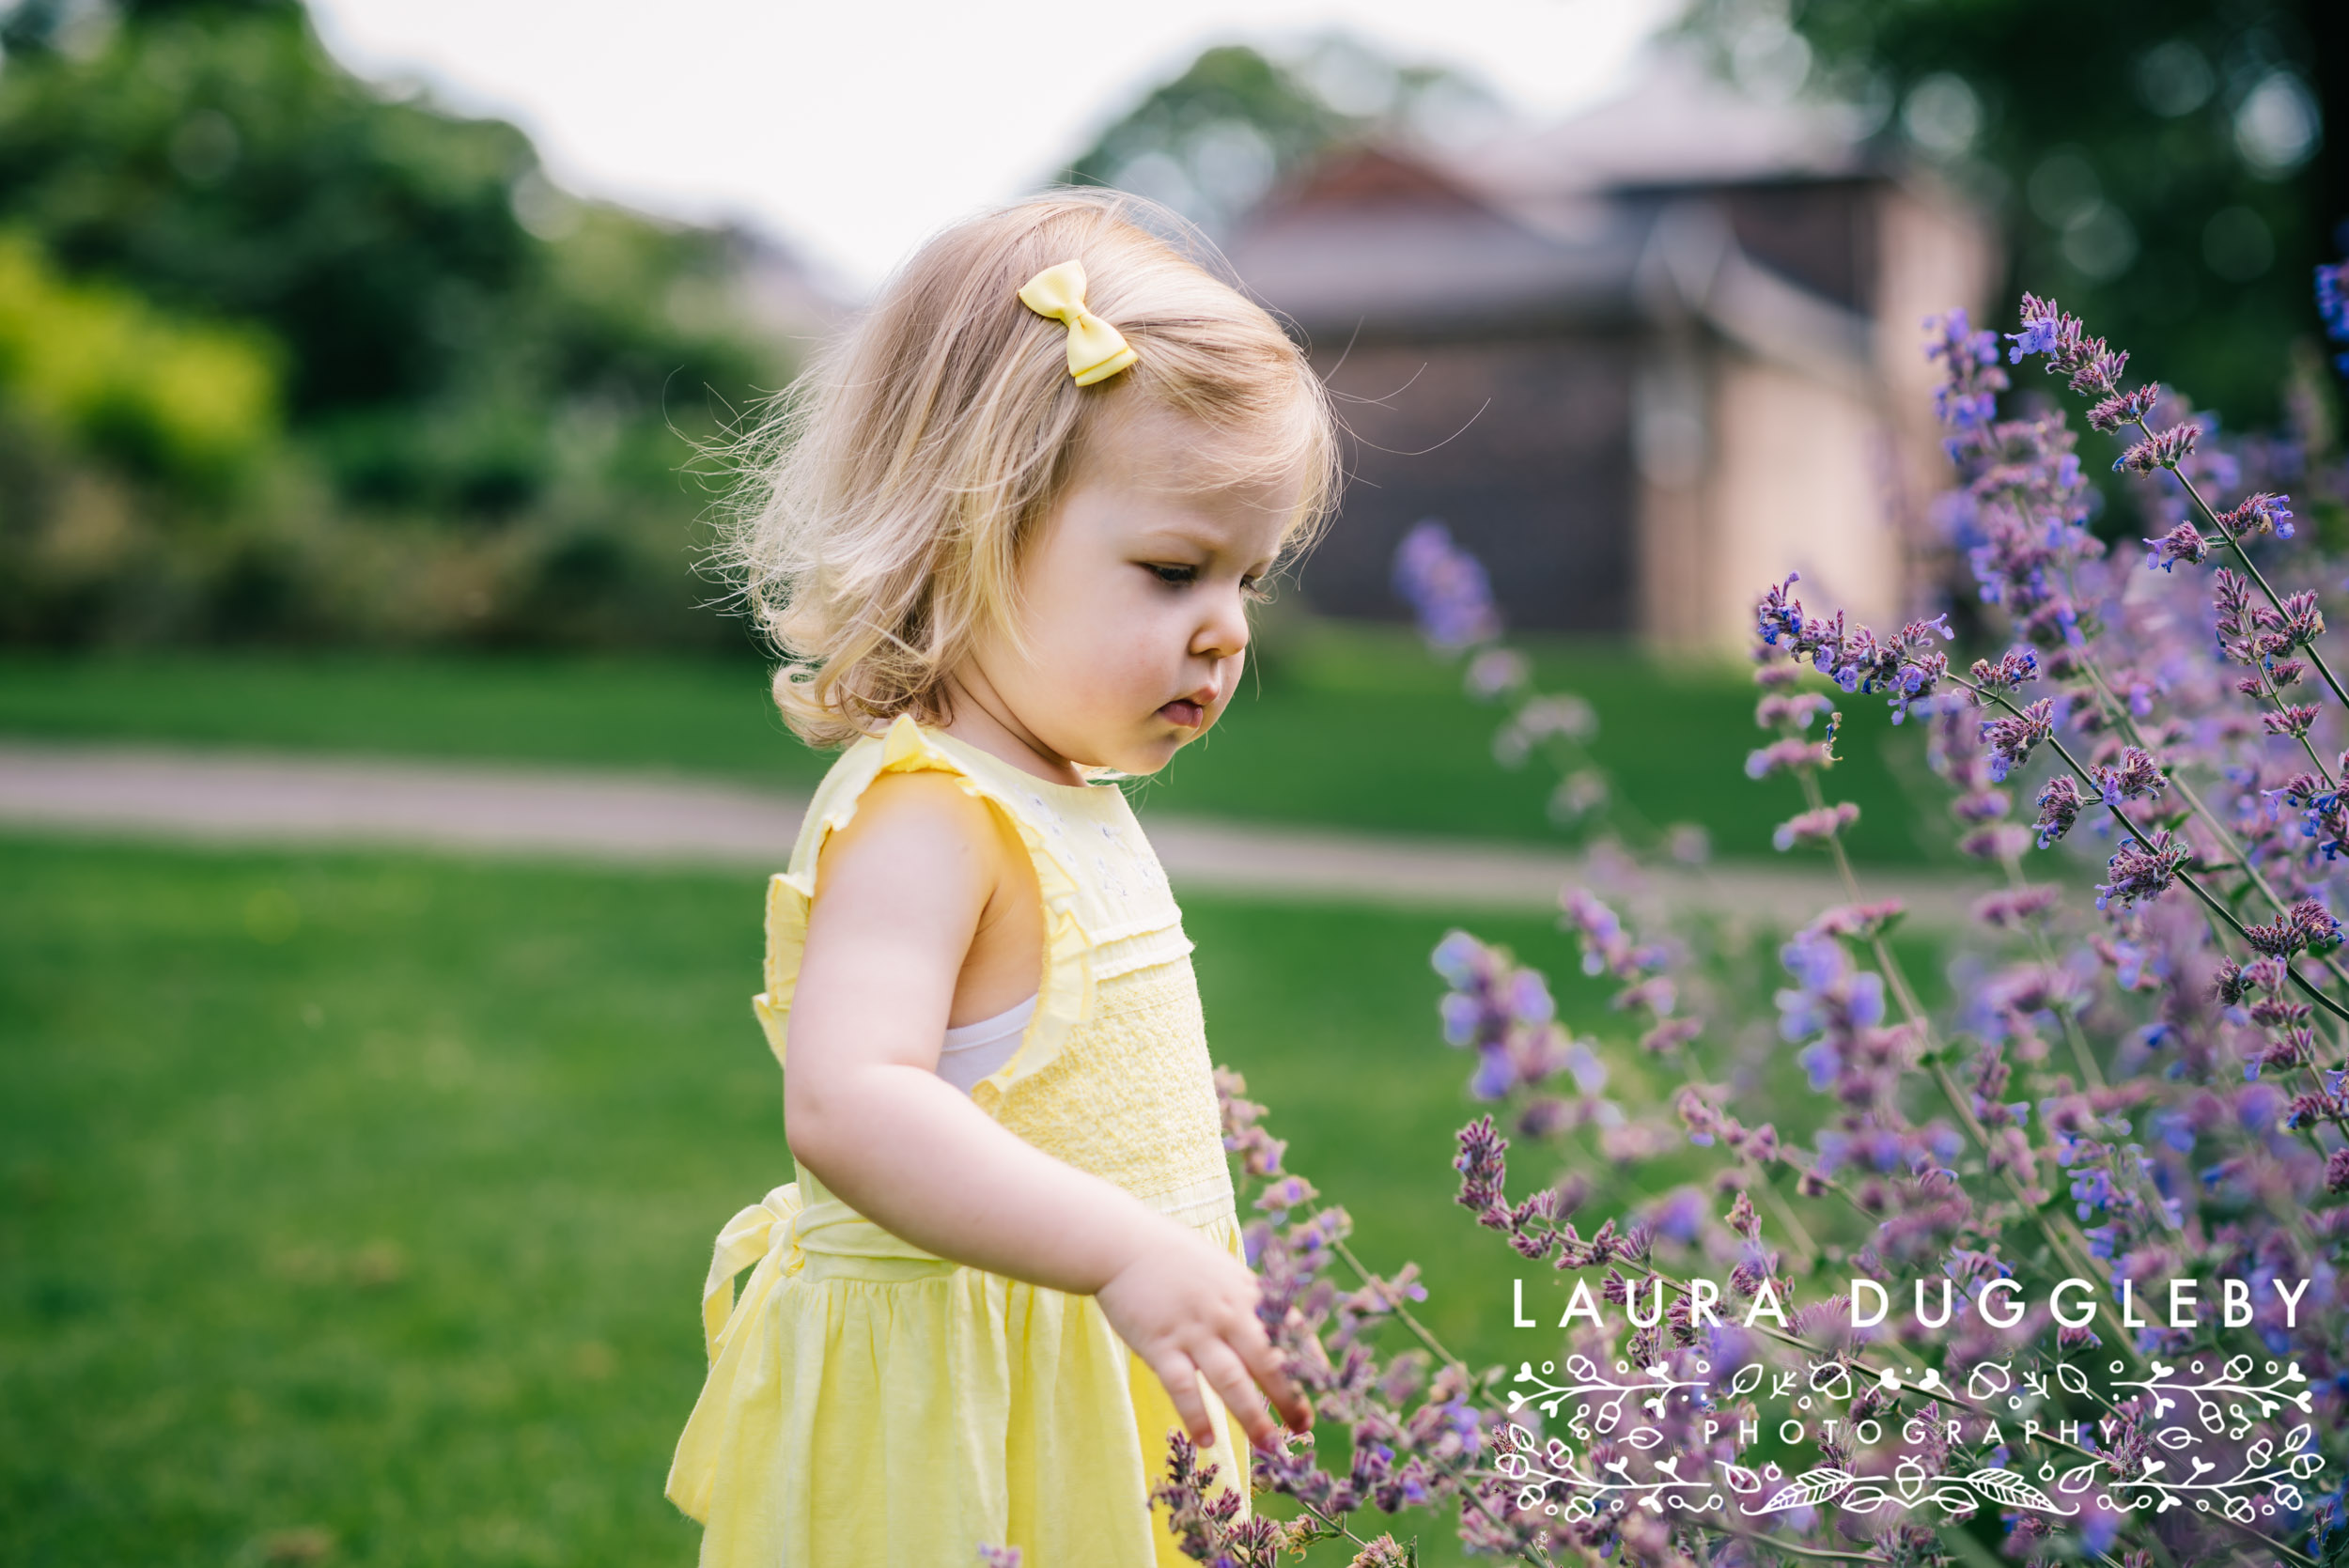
(974, 1050)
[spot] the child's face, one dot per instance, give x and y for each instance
(1135, 596)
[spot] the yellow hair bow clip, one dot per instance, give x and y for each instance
(1096, 351)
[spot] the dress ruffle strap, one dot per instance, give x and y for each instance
(1065, 992)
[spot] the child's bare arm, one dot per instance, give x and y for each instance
(901, 893)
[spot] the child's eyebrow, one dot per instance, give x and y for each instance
(1168, 532)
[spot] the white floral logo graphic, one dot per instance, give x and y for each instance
(2202, 1405)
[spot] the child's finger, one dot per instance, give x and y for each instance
(1181, 1381)
(1229, 1376)
(1265, 1363)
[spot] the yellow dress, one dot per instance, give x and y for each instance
(871, 1404)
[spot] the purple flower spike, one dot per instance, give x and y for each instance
(2307, 925)
(2037, 337)
(2259, 513)
(2332, 303)
(2137, 777)
(2162, 449)
(2060, 806)
(2094, 369)
(1815, 827)
(2124, 407)
(2011, 739)
(2140, 872)
(1462, 960)
(1446, 587)
(2015, 667)
(2182, 543)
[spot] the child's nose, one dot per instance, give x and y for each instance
(1225, 633)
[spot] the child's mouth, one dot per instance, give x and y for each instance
(1183, 711)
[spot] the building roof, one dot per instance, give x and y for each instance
(1613, 216)
(1377, 238)
(1674, 124)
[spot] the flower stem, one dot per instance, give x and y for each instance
(2251, 568)
(1435, 1347)
(2217, 906)
(1771, 1543)
(2071, 1035)
(2074, 1256)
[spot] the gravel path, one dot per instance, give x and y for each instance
(280, 798)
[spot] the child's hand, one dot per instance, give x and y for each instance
(1187, 1307)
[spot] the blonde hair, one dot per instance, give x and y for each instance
(894, 487)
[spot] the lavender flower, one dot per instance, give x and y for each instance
(2256, 514)
(2182, 543)
(1208, 1527)
(2038, 336)
(1906, 667)
(1259, 1151)
(2162, 449)
(1505, 1014)
(2124, 407)
(2015, 667)
(2137, 777)
(2060, 803)
(2012, 736)
(2141, 872)
(1968, 400)
(2178, 1079)
(1787, 755)
(2307, 925)
(1815, 827)
(1446, 587)
(1497, 672)
(2094, 369)
(2332, 304)
(2013, 909)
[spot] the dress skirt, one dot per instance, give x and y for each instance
(880, 1406)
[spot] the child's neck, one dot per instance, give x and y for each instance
(981, 719)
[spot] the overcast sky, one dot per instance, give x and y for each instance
(854, 129)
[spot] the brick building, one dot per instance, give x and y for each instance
(1642, 363)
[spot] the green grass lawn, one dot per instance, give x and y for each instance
(354, 1208)
(1344, 726)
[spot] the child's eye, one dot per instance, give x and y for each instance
(1254, 590)
(1179, 577)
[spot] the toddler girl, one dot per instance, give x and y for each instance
(1006, 554)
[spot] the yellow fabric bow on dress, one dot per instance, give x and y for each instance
(766, 1233)
(1096, 351)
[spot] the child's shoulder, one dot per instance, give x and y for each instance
(901, 781)
(914, 794)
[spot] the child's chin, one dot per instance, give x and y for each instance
(1150, 755)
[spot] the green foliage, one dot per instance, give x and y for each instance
(1210, 140)
(492, 393)
(108, 370)
(1213, 139)
(222, 161)
(2161, 170)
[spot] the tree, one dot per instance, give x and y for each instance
(2163, 171)
(1214, 138)
(439, 301)
(466, 395)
